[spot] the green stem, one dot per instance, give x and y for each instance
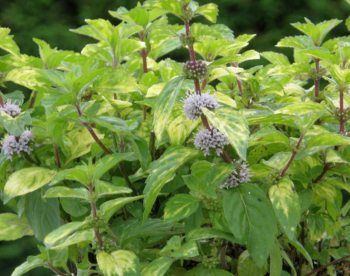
(57, 155)
(94, 215)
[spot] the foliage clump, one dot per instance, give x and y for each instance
(115, 185)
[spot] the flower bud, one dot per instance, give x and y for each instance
(195, 70)
(210, 139)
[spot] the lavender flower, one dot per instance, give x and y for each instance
(193, 103)
(210, 139)
(12, 144)
(239, 175)
(195, 70)
(11, 109)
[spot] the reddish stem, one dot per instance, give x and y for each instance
(198, 89)
(205, 122)
(97, 140)
(240, 87)
(326, 168)
(144, 55)
(341, 119)
(239, 84)
(327, 265)
(190, 48)
(92, 132)
(204, 84)
(317, 80)
(1, 101)
(32, 101)
(57, 156)
(55, 270)
(144, 60)
(293, 155)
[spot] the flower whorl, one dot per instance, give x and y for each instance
(193, 103)
(11, 109)
(210, 139)
(12, 144)
(239, 175)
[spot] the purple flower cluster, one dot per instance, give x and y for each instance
(11, 108)
(239, 175)
(12, 144)
(193, 103)
(195, 70)
(210, 139)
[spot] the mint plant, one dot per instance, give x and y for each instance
(123, 161)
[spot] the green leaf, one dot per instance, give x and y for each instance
(16, 125)
(103, 189)
(12, 227)
(298, 42)
(7, 43)
(201, 271)
(233, 125)
(285, 202)
(158, 267)
(276, 260)
(78, 173)
(268, 136)
(66, 192)
(81, 142)
(327, 139)
(106, 263)
(302, 250)
(162, 171)
(62, 232)
(209, 11)
(28, 265)
(108, 162)
(246, 266)
(179, 207)
(141, 148)
(27, 180)
(320, 53)
(301, 108)
(169, 6)
(43, 214)
(276, 58)
(78, 237)
(309, 29)
(164, 105)
(149, 228)
(109, 208)
(251, 218)
(210, 233)
(118, 263)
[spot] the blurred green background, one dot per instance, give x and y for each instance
(51, 20)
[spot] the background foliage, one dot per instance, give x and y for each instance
(49, 20)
